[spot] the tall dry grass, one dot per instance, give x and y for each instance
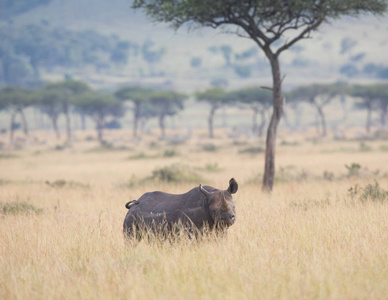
(308, 240)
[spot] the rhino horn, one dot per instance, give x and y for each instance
(205, 192)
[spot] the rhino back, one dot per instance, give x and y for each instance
(159, 206)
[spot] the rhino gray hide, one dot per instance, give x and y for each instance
(201, 208)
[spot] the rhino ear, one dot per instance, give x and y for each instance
(203, 191)
(233, 186)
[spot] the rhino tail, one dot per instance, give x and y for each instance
(130, 203)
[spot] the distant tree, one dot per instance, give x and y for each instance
(292, 104)
(319, 96)
(51, 103)
(166, 103)
(65, 91)
(383, 105)
(139, 96)
(371, 97)
(15, 100)
(267, 24)
(215, 97)
(152, 56)
(259, 100)
(99, 106)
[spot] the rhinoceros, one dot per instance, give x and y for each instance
(203, 207)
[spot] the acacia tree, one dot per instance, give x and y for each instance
(69, 88)
(319, 96)
(15, 100)
(166, 103)
(98, 106)
(259, 100)
(265, 22)
(139, 96)
(371, 97)
(51, 103)
(215, 97)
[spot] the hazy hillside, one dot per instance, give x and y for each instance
(349, 49)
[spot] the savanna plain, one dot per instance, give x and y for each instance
(321, 234)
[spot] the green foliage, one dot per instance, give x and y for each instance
(209, 147)
(320, 94)
(371, 192)
(61, 183)
(7, 155)
(251, 150)
(15, 98)
(290, 173)
(141, 155)
(4, 181)
(212, 167)
(175, 173)
(98, 104)
(170, 153)
(353, 170)
(212, 95)
(364, 147)
(19, 208)
(254, 96)
(311, 204)
(46, 48)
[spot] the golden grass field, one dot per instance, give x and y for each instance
(309, 239)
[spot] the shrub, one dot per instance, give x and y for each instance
(170, 153)
(140, 155)
(353, 170)
(175, 173)
(60, 183)
(290, 173)
(252, 150)
(16, 208)
(7, 155)
(209, 147)
(212, 167)
(364, 147)
(370, 192)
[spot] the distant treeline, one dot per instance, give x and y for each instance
(70, 97)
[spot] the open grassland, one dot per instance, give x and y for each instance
(310, 239)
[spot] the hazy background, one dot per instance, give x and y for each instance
(107, 44)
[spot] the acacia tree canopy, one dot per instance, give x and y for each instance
(265, 22)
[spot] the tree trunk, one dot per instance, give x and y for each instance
(54, 120)
(83, 121)
(12, 126)
(68, 121)
(269, 168)
(254, 119)
(262, 124)
(368, 119)
(323, 120)
(136, 116)
(162, 124)
(100, 127)
(344, 108)
(24, 121)
(210, 120)
(383, 116)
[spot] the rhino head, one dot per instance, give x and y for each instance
(221, 205)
